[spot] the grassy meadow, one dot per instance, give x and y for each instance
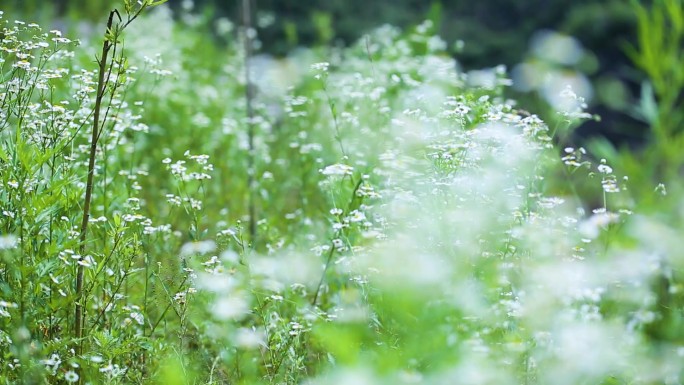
(177, 208)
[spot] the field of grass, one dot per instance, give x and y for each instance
(172, 213)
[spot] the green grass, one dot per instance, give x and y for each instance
(411, 225)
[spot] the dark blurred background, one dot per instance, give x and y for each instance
(493, 32)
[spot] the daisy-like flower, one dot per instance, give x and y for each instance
(71, 376)
(337, 169)
(605, 169)
(357, 216)
(322, 66)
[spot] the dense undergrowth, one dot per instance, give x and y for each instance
(410, 224)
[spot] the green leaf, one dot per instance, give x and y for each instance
(110, 36)
(3, 154)
(128, 7)
(675, 13)
(648, 107)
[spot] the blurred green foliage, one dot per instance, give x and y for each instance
(658, 52)
(410, 325)
(495, 31)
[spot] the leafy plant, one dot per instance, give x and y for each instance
(414, 224)
(658, 52)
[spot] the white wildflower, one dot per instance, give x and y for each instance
(337, 169)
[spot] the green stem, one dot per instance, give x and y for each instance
(79, 316)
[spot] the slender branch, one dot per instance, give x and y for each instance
(79, 317)
(329, 259)
(168, 306)
(249, 97)
(333, 112)
(112, 297)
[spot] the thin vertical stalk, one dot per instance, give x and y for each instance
(79, 316)
(353, 204)
(249, 97)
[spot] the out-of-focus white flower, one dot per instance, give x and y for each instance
(8, 242)
(592, 226)
(337, 169)
(230, 307)
(201, 247)
(249, 338)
